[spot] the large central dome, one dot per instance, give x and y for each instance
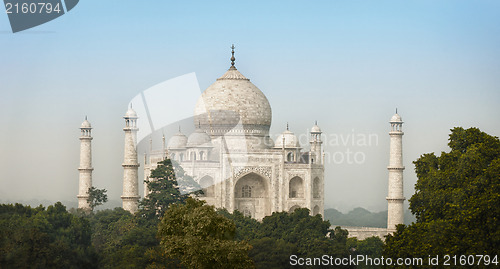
(232, 104)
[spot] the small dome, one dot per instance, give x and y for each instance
(199, 138)
(86, 124)
(396, 118)
(178, 141)
(315, 129)
(291, 141)
(131, 113)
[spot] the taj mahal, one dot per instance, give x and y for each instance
(232, 157)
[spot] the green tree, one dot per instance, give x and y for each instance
(44, 238)
(247, 228)
(269, 252)
(97, 197)
(198, 237)
(455, 202)
(371, 247)
(168, 184)
(287, 233)
(123, 240)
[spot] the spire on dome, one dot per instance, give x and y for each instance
(232, 57)
(287, 126)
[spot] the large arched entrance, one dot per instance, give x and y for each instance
(251, 196)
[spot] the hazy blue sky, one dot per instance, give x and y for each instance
(346, 64)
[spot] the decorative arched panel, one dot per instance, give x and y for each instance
(316, 188)
(296, 188)
(316, 210)
(207, 184)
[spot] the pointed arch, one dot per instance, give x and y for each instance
(293, 208)
(207, 185)
(316, 188)
(315, 211)
(251, 193)
(296, 187)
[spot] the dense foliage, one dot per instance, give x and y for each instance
(200, 238)
(456, 201)
(283, 234)
(123, 240)
(371, 247)
(44, 238)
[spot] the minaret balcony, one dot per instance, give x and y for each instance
(395, 168)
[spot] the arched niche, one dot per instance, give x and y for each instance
(296, 188)
(315, 210)
(293, 208)
(316, 188)
(207, 185)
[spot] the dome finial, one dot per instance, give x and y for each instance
(396, 110)
(179, 129)
(232, 56)
(287, 126)
(85, 117)
(315, 122)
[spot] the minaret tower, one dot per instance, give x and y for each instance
(395, 196)
(316, 144)
(85, 169)
(130, 197)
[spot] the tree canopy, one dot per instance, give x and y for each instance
(168, 184)
(96, 197)
(456, 200)
(200, 238)
(44, 238)
(283, 234)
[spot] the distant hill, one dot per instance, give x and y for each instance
(361, 217)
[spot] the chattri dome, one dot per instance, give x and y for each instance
(199, 138)
(315, 129)
(178, 141)
(86, 124)
(396, 118)
(131, 113)
(291, 140)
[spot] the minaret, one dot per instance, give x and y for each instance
(316, 144)
(85, 169)
(395, 196)
(130, 197)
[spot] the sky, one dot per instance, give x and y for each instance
(346, 64)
